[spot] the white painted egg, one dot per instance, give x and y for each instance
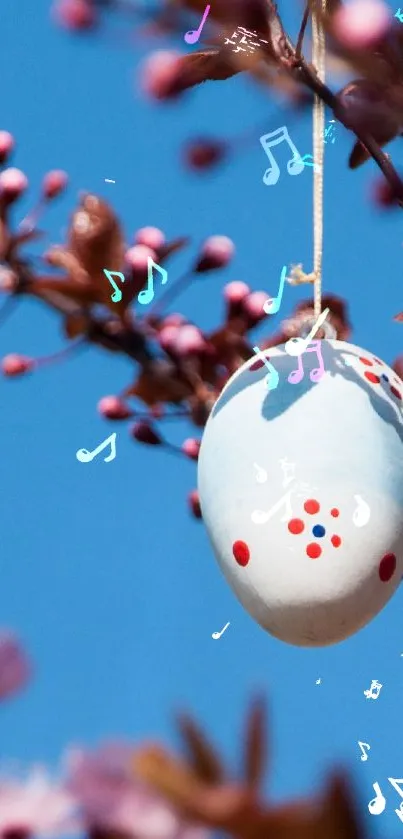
(301, 490)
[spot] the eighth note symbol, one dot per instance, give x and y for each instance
(147, 294)
(363, 746)
(316, 374)
(294, 166)
(117, 291)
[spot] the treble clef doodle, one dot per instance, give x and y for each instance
(294, 166)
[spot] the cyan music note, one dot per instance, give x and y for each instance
(294, 166)
(316, 374)
(117, 291)
(272, 306)
(273, 378)
(147, 294)
(84, 456)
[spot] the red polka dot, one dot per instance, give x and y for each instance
(256, 365)
(395, 392)
(241, 552)
(313, 550)
(334, 512)
(296, 526)
(366, 361)
(377, 360)
(336, 541)
(387, 567)
(311, 506)
(372, 378)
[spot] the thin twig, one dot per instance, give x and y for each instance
(298, 49)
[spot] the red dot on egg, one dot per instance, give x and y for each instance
(296, 526)
(334, 512)
(395, 392)
(377, 360)
(387, 567)
(313, 550)
(241, 552)
(372, 378)
(336, 541)
(311, 506)
(256, 365)
(366, 361)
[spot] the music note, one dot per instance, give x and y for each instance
(117, 291)
(361, 513)
(296, 346)
(272, 305)
(399, 812)
(273, 378)
(377, 805)
(147, 294)
(261, 516)
(194, 34)
(216, 635)
(364, 746)
(307, 163)
(84, 456)
(316, 374)
(294, 166)
(261, 474)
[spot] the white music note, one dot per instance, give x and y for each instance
(147, 294)
(84, 456)
(261, 516)
(217, 635)
(361, 513)
(363, 746)
(377, 805)
(294, 166)
(296, 346)
(261, 474)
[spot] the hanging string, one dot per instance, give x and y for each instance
(297, 275)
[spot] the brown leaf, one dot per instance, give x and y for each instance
(199, 67)
(255, 744)
(202, 756)
(399, 318)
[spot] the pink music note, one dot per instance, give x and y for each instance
(294, 166)
(194, 34)
(147, 294)
(316, 374)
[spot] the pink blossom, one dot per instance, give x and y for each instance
(188, 339)
(74, 14)
(112, 407)
(361, 23)
(236, 291)
(191, 448)
(194, 504)
(137, 257)
(15, 668)
(253, 305)
(15, 365)
(152, 237)
(216, 252)
(7, 144)
(111, 798)
(36, 807)
(160, 72)
(13, 183)
(54, 183)
(167, 337)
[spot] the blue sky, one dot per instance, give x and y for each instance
(111, 584)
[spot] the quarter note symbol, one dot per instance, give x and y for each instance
(147, 294)
(272, 305)
(194, 34)
(316, 374)
(117, 292)
(217, 635)
(296, 346)
(378, 804)
(361, 513)
(294, 166)
(273, 378)
(84, 456)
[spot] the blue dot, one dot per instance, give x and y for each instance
(385, 378)
(318, 530)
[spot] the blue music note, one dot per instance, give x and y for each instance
(273, 378)
(147, 294)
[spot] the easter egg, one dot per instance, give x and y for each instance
(300, 477)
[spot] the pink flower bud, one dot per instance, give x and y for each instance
(152, 237)
(16, 365)
(137, 257)
(191, 448)
(204, 154)
(143, 432)
(194, 504)
(174, 319)
(167, 337)
(112, 407)
(216, 252)
(236, 291)
(75, 14)
(54, 183)
(361, 23)
(13, 183)
(15, 668)
(253, 305)
(160, 73)
(188, 340)
(7, 144)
